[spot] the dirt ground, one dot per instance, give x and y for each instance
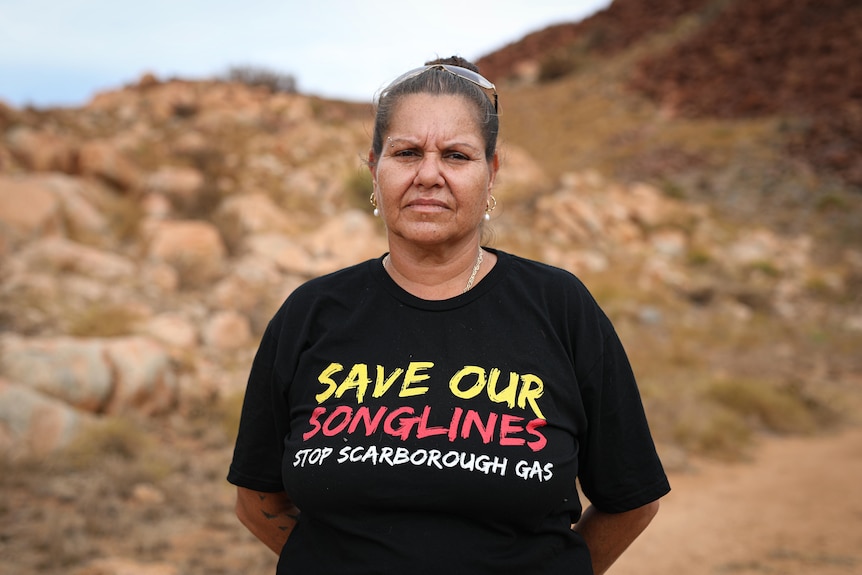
(795, 508)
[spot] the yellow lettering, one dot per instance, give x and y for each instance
(473, 391)
(508, 394)
(357, 379)
(412, 376)
(326, 379)
(383, 383)
(531, 394)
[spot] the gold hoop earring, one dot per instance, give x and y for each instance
(373, 200)
(489, 206)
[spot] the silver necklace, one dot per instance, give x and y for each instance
(472, 274)
(475, 271)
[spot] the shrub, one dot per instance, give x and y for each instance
(359, 187)
(557, 66)
(101, 320)
(121, 448)
(111, 437)
(258, 76)
(718, 433)
(782, 410)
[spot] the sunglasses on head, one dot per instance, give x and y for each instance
(464, 73)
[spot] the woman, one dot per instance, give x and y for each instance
(430, 411)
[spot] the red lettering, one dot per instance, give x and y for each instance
(453, 427)
(363, 415)
(315, 425)
(533, 429)
(403, 423)
(510, 425)
(403, 431)
(332, 426)
(424, 431)
(486, 430)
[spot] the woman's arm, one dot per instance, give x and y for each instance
(269, 516)
(609, 534)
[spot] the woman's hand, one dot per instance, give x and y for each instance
(609, 534)
(269, 516)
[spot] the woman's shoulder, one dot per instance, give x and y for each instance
(344, 283)
(559, 292)
(539, 273)
(337, 278)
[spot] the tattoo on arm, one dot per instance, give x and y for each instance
(271, 516)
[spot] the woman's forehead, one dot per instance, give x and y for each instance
(443, 114)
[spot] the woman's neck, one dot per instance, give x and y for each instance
(436, 274)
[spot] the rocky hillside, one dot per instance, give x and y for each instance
(147, 236)
(729, 59)
(150, 235)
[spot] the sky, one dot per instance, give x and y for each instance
(62, 52)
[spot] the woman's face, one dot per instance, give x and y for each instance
(432, 180)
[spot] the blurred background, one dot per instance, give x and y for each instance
(169, 173)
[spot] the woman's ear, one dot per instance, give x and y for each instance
(495, 167)
(372, 166)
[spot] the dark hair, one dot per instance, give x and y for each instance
(439, 82)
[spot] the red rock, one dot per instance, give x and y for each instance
(102, 159)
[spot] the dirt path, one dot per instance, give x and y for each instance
(796, 509)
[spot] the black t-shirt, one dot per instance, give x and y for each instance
(445, 436)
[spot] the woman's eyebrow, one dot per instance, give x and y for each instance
(401, 141)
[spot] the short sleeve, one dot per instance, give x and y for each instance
(259, 447)
(619, 467)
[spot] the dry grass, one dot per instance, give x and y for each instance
(779, 409)
(149, 489)
(358, 187)
(101, 320)
(123, 442)
(713, 382)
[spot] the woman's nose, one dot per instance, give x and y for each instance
(429, 172)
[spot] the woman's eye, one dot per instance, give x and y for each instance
(457, 156)
(404, 153)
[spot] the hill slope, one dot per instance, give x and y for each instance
(798, 64)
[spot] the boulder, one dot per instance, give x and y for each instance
(49, 204)
(649, 207)
(143, 376)
(194, 248)
(227, 330)
(111, 375)
(156, 206)
(288, 254)
(104, 160)
(68, 369)
(345, 239)
(84, 220)
(63, 256)
(174, 331)
(158, 279)
(765, 249)
(42, 151)
(32, 423)
(520, 178)
(28, 209)
(246, 214)
(568, 219)
(179, 183)
(249, 281)
(669, 242)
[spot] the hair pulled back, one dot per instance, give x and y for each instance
(438, 82)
